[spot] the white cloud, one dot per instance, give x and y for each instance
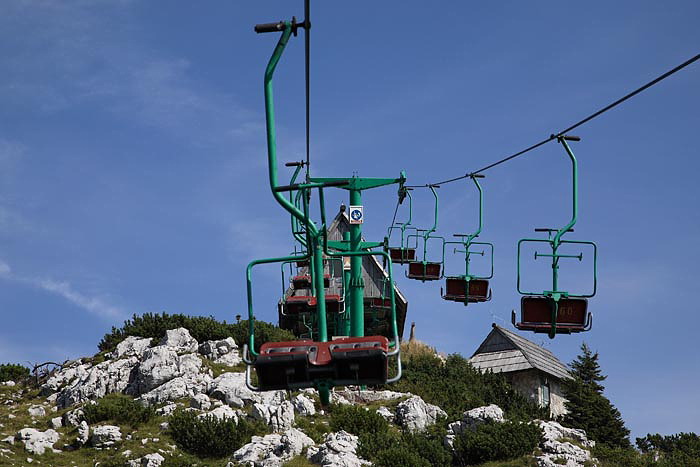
(5, 269)
(93, 304)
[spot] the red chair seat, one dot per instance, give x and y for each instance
(536, 315)
(424, 271)
(402, 255)
(342, 361)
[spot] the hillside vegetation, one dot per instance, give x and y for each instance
(181, 401)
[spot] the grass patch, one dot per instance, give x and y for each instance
(315, 427)
(217, 369)
(298, 461)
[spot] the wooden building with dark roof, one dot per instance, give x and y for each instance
(533, 370)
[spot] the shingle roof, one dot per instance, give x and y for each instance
(506, 351)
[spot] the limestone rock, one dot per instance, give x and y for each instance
(180, 387)
(149, 460)
(104, 378)
(159, 365)
(180, 341)
(73, 418)
(386, 414)
(223, 351)
(273, 450)
(557, 450)
(35, 441)
(69, 374)
(279, 418)
(167, 409)
(200, 401)
(83, 433)
(472, 419)
(553, 431)
(303, 405)
(366, 396)
(231, 389)
(36, 411)
(131, 346)
(222, 413)
(104, 436)
(56, 423)
(338, 450)
(415, 414)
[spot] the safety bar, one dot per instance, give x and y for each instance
(550, 242)
(301, 186)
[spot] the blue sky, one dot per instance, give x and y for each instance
(133, 170)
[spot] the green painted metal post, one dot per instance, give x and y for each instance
(345, 323)
(357, 284)
(320, 290)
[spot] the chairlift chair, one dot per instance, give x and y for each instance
(556, 311)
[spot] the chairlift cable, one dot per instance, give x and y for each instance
(553, 137)
(307, 40)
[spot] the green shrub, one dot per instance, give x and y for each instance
(202, 328)
(210, 436)
(13, 372)
(390, 448)
(119, 408)
(456, 386)
(617, 456)
(356, 420)
(495, 442)
(313, 427)
(397, 455)
(679, 449)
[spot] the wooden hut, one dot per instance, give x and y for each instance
(533, 370)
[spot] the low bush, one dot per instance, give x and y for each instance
(209, 436)
(496, 442)
(389, 448)
(456, 386)
(357, 420)
(119, 408)
(202, 328)
(13, 372)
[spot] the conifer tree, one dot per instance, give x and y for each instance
(588, 408)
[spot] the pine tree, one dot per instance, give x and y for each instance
(588, 408)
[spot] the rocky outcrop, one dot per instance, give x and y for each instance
(414, 414)
(358, 396)
(222, 413)
(303, 405)
(230, 388)
(278, 417)
(180, 341)
(223, 351)
(132, 346)
(83, 433)
(161, 364)
(100, 380)
(273, 450)
(200, 402)
(149, 460)
(338, 450)
(181, 387)
(37, 442)
(387, 414)
(471, 419)
(558, 448)
(104, 436)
